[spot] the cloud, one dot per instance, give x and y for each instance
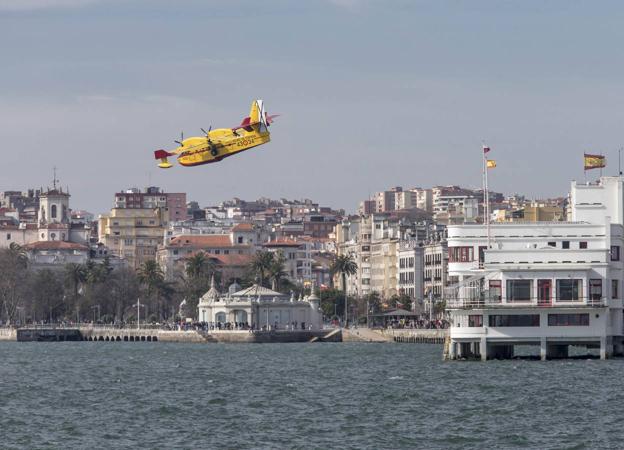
(31, 5)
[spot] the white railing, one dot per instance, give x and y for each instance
(497, 302)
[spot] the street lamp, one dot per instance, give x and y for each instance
(98, 308)
(138, 305)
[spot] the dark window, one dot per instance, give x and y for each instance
(583, 244)
(552, 244)
(518, 290)
(514, 320)
(568, 290)
(240, 239)
(53, 212)
(615, 253)
(565, 244)
(8, 236)
(614, 288)
(495, 290)
(461, 254)
(595, 289)
(475, 320)
(568, 320)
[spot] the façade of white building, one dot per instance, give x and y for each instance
(551, 284)
(259, 308)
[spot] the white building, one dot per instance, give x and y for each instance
(410, 269)
(259, 308)
(551, 284)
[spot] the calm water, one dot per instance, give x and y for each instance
(157, 395)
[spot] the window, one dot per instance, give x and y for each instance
(595, 289)
(583, 244)
(175, 252)
(53, 212)
(568, 290)
(565, 244)
(461, 254)
(495, 290)
(568, 320)
(240, 239)
(519, 290)
(475, 320)
(8, 236)
(615, 253)
(128, 241)
(514, 320)
(217, 252)
(614, 289)
(552, 244)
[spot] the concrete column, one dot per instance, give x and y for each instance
(483, 349)
(452, 350)
(603, 348)
(543, 349)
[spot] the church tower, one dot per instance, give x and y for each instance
(54, 214)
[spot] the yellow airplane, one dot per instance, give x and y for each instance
(223, 142)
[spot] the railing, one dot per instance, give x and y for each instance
(491, 301)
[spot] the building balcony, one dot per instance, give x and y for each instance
(485, 302)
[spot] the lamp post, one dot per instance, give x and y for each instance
(98, 308)
(138, 306)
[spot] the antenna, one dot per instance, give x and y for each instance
(54, 180)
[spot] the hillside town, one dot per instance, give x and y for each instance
(398, 240)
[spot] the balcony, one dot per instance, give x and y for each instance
(487, 301)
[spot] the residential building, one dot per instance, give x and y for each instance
(153, 197)
(410, 269)
(133, 234)
(298, 258)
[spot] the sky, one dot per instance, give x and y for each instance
(372, 94)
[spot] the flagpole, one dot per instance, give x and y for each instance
(487, 204)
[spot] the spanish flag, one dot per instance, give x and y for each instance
(594, 161)
(491, 163)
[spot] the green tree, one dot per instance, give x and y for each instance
(260, 266)
(47, 295)
(13, 278)
(75, 275)
(276, 272)
(198, 272)
(344, 265)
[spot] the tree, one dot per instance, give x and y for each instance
(47, 295)
(198, 272)
(13, 270)
(276, 271)
(344, 265)
(74, 276)
(260, 266)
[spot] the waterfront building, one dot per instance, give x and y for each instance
(259, 308)
(550, 284)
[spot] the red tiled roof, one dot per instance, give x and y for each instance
(243, 227)
(205, 240)
(55, 245)
(282, 243)
(232, 260)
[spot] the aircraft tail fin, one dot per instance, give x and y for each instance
(258, 115)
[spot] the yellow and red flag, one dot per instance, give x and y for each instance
(594, 161)
(491, 163)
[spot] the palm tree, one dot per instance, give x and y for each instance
(276, 271)
(151, 275)
(199, 265)
(344, 265)
(260, 265)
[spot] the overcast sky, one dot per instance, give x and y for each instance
(372, 94)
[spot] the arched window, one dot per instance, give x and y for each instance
(53, 212)
(220, 317)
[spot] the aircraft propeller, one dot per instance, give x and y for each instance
(213, 148)
(181, 139)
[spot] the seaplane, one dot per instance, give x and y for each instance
(220, 143)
